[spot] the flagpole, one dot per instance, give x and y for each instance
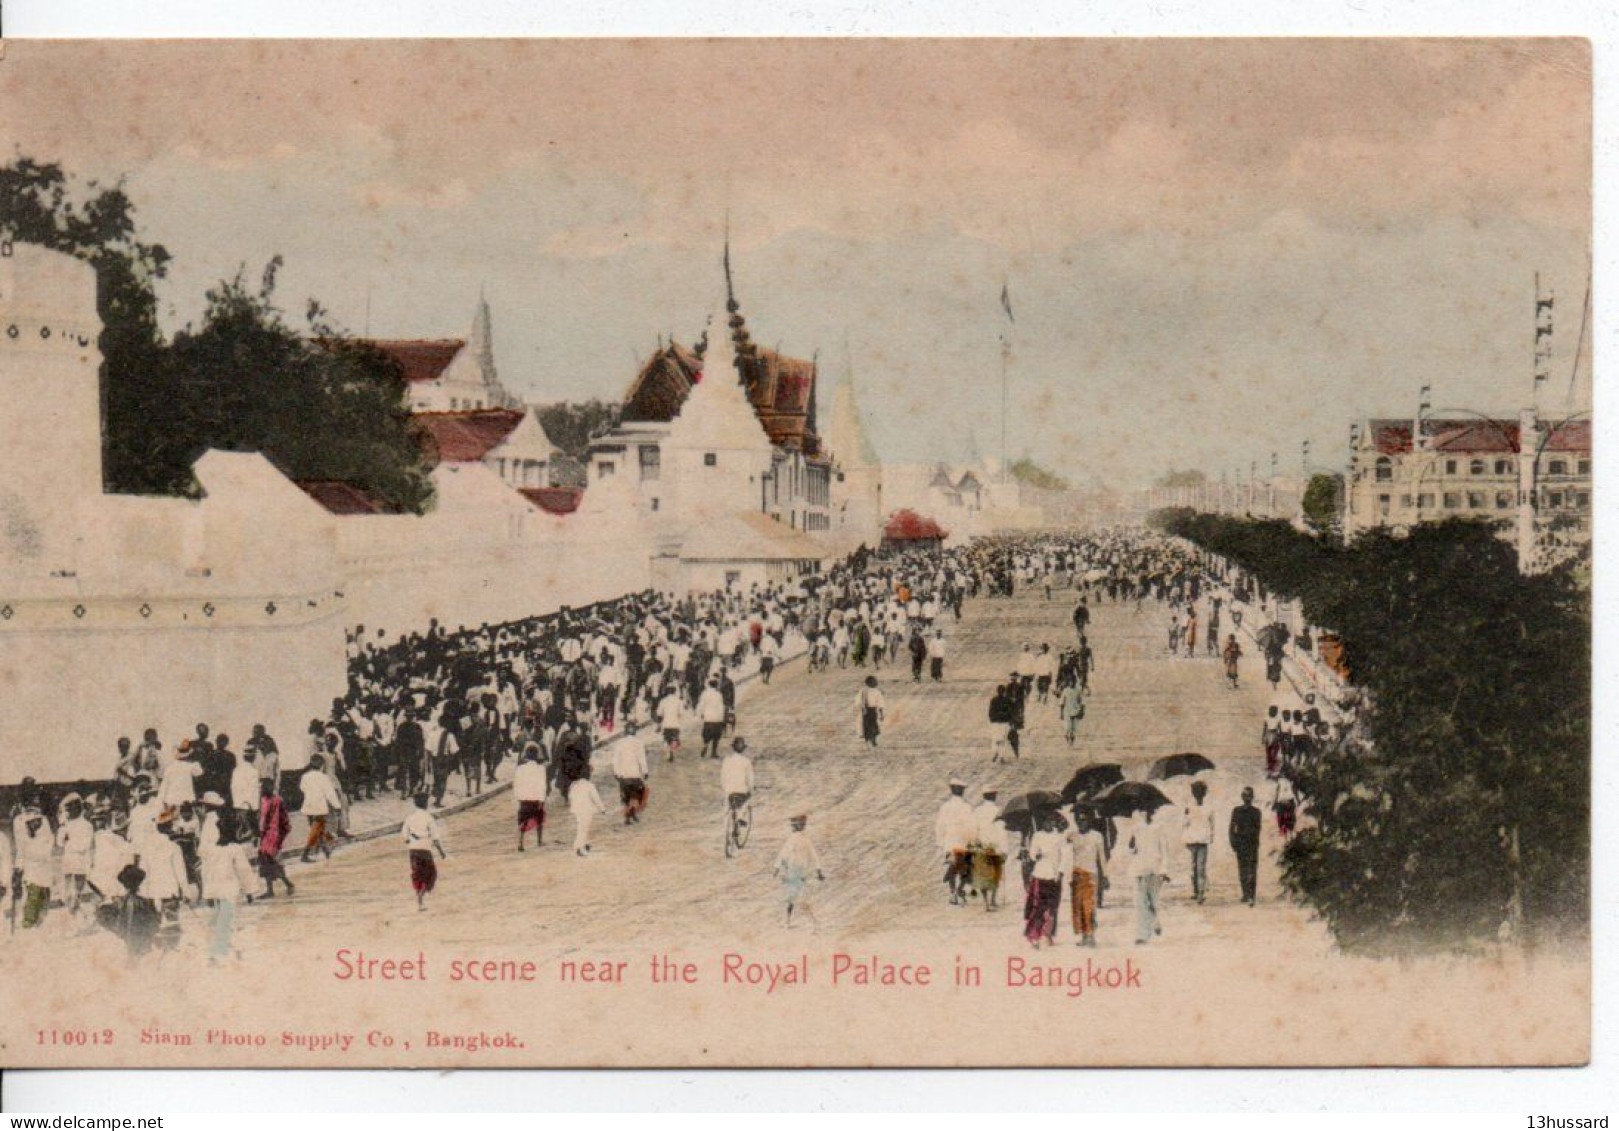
(1006, 349)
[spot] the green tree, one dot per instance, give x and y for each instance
(572, 425)
(1027, 471)
(318, 405)
(1189, 477)
(1458, 811)
(1323, 496)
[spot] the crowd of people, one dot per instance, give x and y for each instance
(208, 823)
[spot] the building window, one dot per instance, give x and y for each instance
(1385, 469)
(711, 459)
(1503, 467)
(654, 503)
(1452, 500)
(1450, 467)
(604, 469)
(1405, 500)
(1383, 505)
(732, 576)
(1476, 467)
(1585, 467)
(1555, 500)
(455, 403)
(1475, 500)
(1425, 501)
(1582, 500)
(1503, 500)
(651, 462)
(1557, 467)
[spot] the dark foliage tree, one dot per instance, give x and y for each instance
(1458, 811)
(572, 425)
(1323, 496)
(318, 405)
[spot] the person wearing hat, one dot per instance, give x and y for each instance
(179, 783)
(1244, 838)
(953, 831)
(530, 784)
(36, 860)
(795, 864)
(75, 839)
(630, 768)
(990, 847)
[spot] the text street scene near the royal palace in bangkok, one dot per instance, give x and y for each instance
(818, 553)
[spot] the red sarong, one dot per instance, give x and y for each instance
(423, 870)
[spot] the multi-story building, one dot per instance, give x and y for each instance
(450, 374)
(1531, 478)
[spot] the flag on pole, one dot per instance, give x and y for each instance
(1006, 303)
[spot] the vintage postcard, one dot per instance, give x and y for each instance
(795, 553)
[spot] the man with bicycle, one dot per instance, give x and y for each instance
(736, 778)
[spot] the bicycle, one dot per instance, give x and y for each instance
(738, 824)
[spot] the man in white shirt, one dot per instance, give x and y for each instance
(1149, 868)
(1088, 852)
(990, 846)
(795, 864)
(36, 860)
(630, 768)
(530, 784)
(736, 775)
(711, 711)
(423, 834)
(953, 830)
(671, 710)
(936, 656)
(179, 785)
(321, 800)
(769, 651)
(584, 803)
(1197, 834)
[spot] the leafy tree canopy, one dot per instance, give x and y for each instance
(1027, 471)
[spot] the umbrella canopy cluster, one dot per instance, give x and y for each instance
(1101, 788)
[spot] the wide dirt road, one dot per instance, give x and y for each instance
(667, 881)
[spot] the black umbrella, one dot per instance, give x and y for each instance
(1273, 637)
(1178, 766)
(1129, 797)
(1092, 779)
(1020, 812)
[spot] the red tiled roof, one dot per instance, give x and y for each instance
(554, 500)
(419, 359)
(780, 388)
(908, 526)
(466, 437)
(343, 498)
(1393, 437)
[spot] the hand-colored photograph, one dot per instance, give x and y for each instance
(795, 553)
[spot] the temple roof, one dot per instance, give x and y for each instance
(421, 359)
(466, 437)
(342, 498)
(1466, 436)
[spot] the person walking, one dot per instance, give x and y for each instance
(1197, 833)
(1071, 708)
(711, 711)
(919, 653)
(1088, 856)
(423, 835)
(273, 827)
(36, 861)
(936, 656)
(795, 864)
(1149, 870)
(1244, 838)
(227, 878)
(530, 784)
(990, 846)
(1049, 862)
(321, 802)
(953, 831)
(870, 707)
(630, 768)
(1231, 654)
(585, 803)
(671, 711)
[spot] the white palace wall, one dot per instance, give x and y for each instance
(119, 613)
